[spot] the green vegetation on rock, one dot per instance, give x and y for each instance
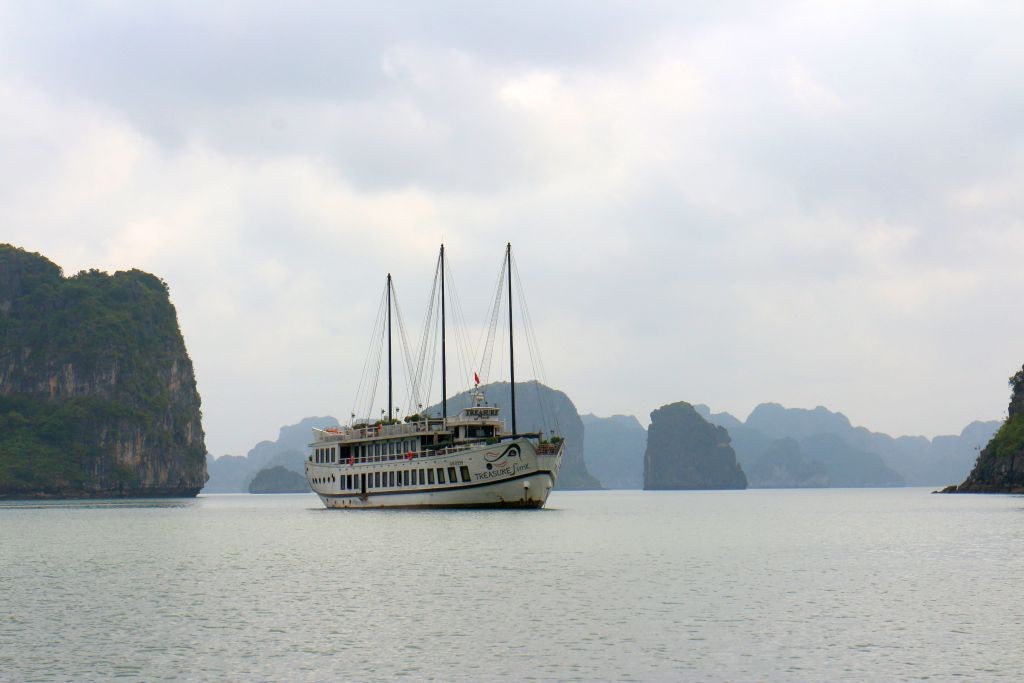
(1000, 465)
(97, 393)
(278, 480)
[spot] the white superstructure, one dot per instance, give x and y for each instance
(467, 461)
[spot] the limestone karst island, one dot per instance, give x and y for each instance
(97, 393)
(98, 399)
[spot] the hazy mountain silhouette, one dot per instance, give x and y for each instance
(233, 473)
(614, 450)
(858, 456)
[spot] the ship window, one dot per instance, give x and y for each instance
(391, 478)
(440, 475)
(464, 471)
(430, 476)
(451, 475)
(405, 476)
(376, 480)
(423, 479)
(349, 481)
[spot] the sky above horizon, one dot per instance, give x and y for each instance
(726, 203)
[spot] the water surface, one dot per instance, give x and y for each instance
(726, 585)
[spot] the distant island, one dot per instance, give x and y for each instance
(685, 451)
(98, 396)
(1000, 465)
(278, 479)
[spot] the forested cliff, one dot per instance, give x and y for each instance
(1000, 465)
(97, 392)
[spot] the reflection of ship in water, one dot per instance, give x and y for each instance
(471, 460)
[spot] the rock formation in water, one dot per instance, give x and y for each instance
(278, 479)
(684, 451)
(614, 450)
(97, 392)
(232, 473)
(539, 408)
(1000, 466)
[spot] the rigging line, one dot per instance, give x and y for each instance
(364, 376)
(412, 390)
(480, 349)
(488, 351)
(528, 323)
(425, 346)
(461, 341)
(376, 376)
(533, 346)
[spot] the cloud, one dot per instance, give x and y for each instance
(732, 203)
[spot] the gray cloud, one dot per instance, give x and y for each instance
(727, 203)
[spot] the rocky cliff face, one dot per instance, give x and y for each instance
(1000, 466)
(97, 393)
(684, 451)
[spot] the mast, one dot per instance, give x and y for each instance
(511, 351)
(444, 367)
(390, 386)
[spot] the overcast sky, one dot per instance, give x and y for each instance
(724, 203)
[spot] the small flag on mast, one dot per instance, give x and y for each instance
(476, 378)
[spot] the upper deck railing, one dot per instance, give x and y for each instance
(390, 430)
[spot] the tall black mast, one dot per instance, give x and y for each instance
(511, 351)
(389, 350)
(444, 367)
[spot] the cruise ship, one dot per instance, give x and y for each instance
(472, 460)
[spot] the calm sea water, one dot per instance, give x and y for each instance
(745, 585)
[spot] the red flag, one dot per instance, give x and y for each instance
(476, 378)
(351, 460)
(410, 455)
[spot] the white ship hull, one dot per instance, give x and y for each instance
(511, 473)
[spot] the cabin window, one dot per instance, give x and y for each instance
(405, 476)
(430, 476)
(451, 475)
(440, 475)
(334, 455)
(376, 480)
(349, 481)
(391, 478)
(464, 471)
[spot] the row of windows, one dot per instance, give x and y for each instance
(386, 450)
(372, 452)
(400, 478)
